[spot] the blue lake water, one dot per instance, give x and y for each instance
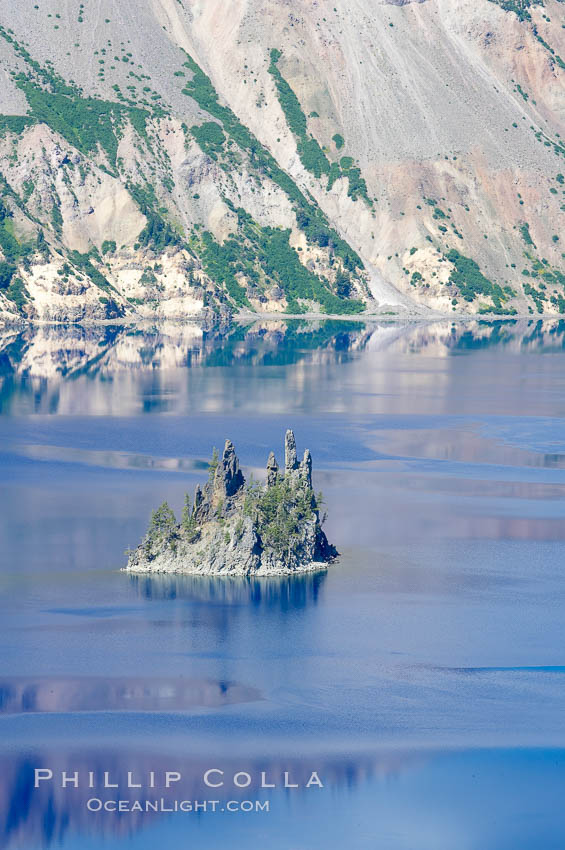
(422, 676)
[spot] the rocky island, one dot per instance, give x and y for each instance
(239, 528)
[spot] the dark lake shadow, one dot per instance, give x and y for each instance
(274, 594)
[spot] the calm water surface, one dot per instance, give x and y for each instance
(422, 676)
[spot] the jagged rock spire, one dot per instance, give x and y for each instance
(198, 505)
(290, 457)
(272, 470)
(306, 467)
(228, 478)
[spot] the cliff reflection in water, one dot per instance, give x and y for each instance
(229, 606)
(127, 370)
(142, 369)
(277, 593)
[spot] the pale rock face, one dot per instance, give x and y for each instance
(219, 550)
(57, 301)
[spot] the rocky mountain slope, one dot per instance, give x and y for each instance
(165, 158)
